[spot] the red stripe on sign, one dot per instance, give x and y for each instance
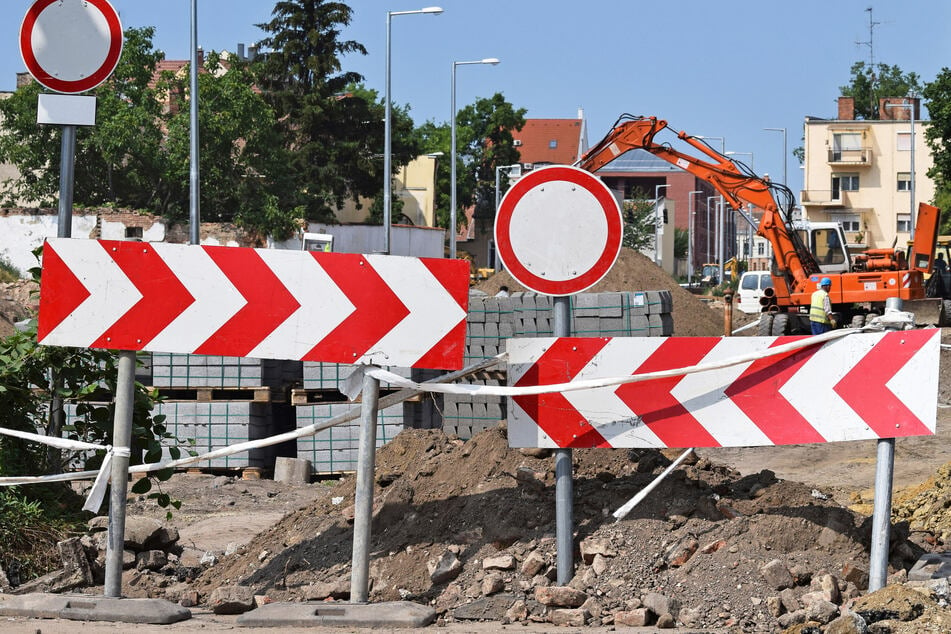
(269, 303)
(164, 297)
(864, 387)
(449, 353)
(756, 393)
(657, 407)
(556, 416)
(377, 309)
(61, 292)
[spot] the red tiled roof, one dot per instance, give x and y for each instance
(539, 135)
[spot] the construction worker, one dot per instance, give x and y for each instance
(820, 312)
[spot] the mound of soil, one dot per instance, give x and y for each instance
(693, 317)
(703, 538)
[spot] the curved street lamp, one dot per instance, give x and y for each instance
(452, 154)
(387, 129)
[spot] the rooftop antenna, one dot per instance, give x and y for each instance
(871, 58)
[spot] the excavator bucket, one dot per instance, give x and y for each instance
(928, 311)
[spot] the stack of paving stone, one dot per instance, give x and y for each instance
(334, 450)
(230, 414)
(491, 320)
(194, 370)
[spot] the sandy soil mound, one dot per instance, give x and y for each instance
(693, 317)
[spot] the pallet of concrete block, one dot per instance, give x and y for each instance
(204, 427)
(326, 382)
(622, 314)
(171, 370)
(334, 450)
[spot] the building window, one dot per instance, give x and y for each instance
(903, 223)
(133, 232)
(553, 144)
(844, 183)
(849, 222)
(761, 249)
(904, 181)
(903, 141)
(845, 145)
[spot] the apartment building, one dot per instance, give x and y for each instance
(862, 173)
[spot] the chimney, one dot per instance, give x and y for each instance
(201, 57)
(846, 108)
(899, 114)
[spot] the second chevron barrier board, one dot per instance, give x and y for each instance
(864, 386)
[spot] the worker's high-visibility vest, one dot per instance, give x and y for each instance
(817, 310)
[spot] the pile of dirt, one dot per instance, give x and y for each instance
(18, 300)
(693, 317)
(469, 528)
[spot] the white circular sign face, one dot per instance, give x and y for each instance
(71, 46)
(558, 230)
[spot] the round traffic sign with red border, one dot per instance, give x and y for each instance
(558, 230)
(71, 46)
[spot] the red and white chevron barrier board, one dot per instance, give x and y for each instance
(263, 303)
(863, 386)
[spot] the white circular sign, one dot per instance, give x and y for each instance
(558, 230)
(71, 46)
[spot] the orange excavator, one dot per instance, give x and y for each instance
(862, 289)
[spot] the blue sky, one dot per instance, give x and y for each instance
(722, 69)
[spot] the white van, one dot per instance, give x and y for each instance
(750, 289)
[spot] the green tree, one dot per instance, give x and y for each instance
(333, 131)
(241, 151)
(868, 85)
(484, 141)
(938, 136)
(681, 240)
(640, 222)
(117, 161)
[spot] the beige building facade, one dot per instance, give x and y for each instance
(859, 172)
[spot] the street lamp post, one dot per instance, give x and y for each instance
(658, 260)
(911, 182)
(785, 174)
(387, 129)
(498, 200)
(690, 223)
(736, 234)
(452, 208)
(719, 244)
(709, 198)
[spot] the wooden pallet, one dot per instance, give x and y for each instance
(217, 394)
(319, 396)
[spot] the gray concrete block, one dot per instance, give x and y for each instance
(637, 301)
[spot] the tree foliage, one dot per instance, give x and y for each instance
(640, 221)
(333, 127)
(869, 84)
(483, 142)
(938, 136)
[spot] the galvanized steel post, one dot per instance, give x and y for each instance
(882, 508)
(564, 486)
(363, 502)
(121, 441)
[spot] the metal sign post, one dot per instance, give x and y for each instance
(121, 441)
(363, 502)
(564, 484)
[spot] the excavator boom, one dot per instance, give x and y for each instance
(724, 175)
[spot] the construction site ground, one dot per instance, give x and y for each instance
(808, 506)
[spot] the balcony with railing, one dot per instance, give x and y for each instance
(824, 198)
(859, 156)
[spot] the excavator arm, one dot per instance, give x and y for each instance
(737, 186)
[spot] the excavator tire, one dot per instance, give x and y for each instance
(858, 321)
(780, 325)
(765, 327)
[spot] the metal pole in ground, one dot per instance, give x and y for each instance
(882, 508)
(363, 502)
(564, 486)
(121, 441)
